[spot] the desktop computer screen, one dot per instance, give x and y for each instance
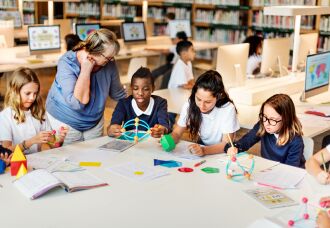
(12, 15)
(133, 32)
(275, 56)
(44, 39)
(317, 74)
(232, 62)
(83, 30)
(178, 26)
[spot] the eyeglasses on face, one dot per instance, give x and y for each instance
(109, 59)
(271, 122)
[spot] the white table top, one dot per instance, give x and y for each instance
(190, 200)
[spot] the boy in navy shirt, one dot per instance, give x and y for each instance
(150, 108)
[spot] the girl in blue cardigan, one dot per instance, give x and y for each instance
(279, 132)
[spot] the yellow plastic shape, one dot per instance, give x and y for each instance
(21, 172)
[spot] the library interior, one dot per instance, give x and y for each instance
(161, 107)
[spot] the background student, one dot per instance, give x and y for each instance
(318, 160)
(209, 115)
(85, 78)
(182, 74)
(150, 108)
(254, 60)
(71, 40)
(279, 132)
(23, 121)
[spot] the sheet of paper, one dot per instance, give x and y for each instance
(181, 151)
(92, 155)
(138, 172)
(281, 176)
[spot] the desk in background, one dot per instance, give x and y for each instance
(189, 200)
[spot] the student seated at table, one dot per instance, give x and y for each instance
(318, 160)
(209, 115)
(71, 40)
(150, 108)
(254, 60)
(23, 121)
(278, 130)
(323, 217)
(182, 74)
(171, 58)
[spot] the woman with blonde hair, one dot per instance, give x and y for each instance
(23, 121)
(85, 77)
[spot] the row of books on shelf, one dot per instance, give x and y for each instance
(283, 2)
(28, 5)
(180, 13)
(220, 35)
(324, 43)
(119, 10)
(83, 8)
(180, 1)
(156, 13)
(218, 17)
(285, 22)
(325, 23)
(325, 3)
(8, 4)
(219, 2)
(159, 29)
(29, 19)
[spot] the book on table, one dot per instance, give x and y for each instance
(40, 181)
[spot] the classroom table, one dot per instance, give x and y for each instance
(192, 200)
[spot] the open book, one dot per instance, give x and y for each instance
(40, 181)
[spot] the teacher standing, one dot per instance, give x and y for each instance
(85, 77)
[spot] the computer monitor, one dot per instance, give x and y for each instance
(275, 56)
(317, 74)
(12, 15)
(133, 32)
(44, 39)
(232, 62)
(307, 46)
(83, 30)
(176, 26)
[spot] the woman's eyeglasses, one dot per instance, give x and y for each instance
(108, 59)
(271, 122)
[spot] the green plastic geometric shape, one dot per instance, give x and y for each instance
(167, 143)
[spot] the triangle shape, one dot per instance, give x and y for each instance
(21, 172)
(18, 154)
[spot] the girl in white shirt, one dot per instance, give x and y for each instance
(208, 116)
(254, 60)
(23, 121)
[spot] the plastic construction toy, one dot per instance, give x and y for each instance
(246, 172)
(167, 143)
(135, 135)
(55, 139)
(303, 214)
(17, 161)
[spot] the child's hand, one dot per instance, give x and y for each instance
(63, 133)
(5, 157)
(196, 149)
(232, 151)
(325, 202)
(114, 130)
(157, 131)
(323, 177)
(42, 137)
(323, 220)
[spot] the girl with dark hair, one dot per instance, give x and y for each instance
(208, 115)
(254, 60)
(279, 131)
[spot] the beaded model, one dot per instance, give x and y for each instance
(138, 135)
(55, 139)
(246, 172)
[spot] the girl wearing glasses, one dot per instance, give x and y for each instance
(85, 77)
(279, 131)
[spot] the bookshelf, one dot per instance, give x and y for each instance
(29, 12)
(324, 29)
(82, 10)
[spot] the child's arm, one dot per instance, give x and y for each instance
(323, 220)
(177, 133)
(117, 119)
(295, 153)
(313, 166)
(163, 121)
(114, 130)
(158, 130)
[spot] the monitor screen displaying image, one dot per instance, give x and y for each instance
(133, 31)
(12, 15)
(317, 71)
(44, 38)
(178, 26)
(83, 30)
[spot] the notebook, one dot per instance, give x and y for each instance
(117, 145)
(40, 181)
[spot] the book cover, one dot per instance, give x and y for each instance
(117, 145)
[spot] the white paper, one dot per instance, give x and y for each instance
(138, 172)
(91, 155)
(281, 176)
(181, 151)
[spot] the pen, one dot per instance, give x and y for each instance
(323, 161)
(199, 163)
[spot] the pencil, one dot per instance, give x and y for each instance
(323, 161)
(231, 142)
